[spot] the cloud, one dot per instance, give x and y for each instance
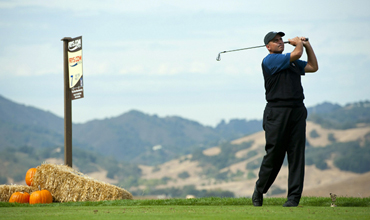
(28, 60)
(315, 9)
(160, 56)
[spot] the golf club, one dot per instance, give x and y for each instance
(226, 51)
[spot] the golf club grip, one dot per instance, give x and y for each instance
(287, 42)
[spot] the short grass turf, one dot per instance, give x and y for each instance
(184, 212)
(204, 208)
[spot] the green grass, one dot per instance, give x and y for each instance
(202, 208)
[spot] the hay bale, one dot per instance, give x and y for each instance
(67, 185)
(7, 190)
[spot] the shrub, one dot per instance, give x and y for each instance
(3, 180)
(254, 164)
(314, 134)
(331, 137)
(251, 175)
(355, 159)
(276, 191)
(184, 175)
(251, 154)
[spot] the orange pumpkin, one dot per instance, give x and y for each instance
(20, 197)
(41, 196)
(29, 176)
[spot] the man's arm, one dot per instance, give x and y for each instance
(298, 50)
(312, 65)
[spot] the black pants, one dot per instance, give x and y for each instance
(285, 133)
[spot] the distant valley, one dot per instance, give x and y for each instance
(173, 156)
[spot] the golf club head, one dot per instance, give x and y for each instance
(218, 57)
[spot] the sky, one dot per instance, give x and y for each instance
(159, 57)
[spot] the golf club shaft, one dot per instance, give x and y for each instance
(226, 51)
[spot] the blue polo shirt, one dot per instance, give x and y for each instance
(283, 80)
(277, 62)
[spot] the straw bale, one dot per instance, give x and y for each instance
(67, 184)
(7, 190)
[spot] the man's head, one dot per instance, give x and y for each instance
(274, 42)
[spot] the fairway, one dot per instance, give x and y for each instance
(202, 208)
(184, 212)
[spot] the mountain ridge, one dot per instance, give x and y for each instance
(131, 136)
(178, 147)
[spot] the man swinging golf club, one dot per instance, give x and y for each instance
(284, 118)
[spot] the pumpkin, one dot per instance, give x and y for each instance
(41, 196)
(20, 197)
(29, 176)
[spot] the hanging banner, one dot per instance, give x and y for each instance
(75, 67)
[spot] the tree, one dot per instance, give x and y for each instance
(184, 175)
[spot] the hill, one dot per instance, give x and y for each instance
(24, 125)
(145, 139)
(127, 137)
(133, 135)
(16, 162)
(136, 137)
(339, 165)
(335, 116)
(177, 155)
(330, 164)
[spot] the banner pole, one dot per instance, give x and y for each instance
(67, 107)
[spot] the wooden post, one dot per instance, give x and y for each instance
(67, 107)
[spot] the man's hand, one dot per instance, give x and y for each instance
(305, 41)
(296, 40)
(298, 50)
